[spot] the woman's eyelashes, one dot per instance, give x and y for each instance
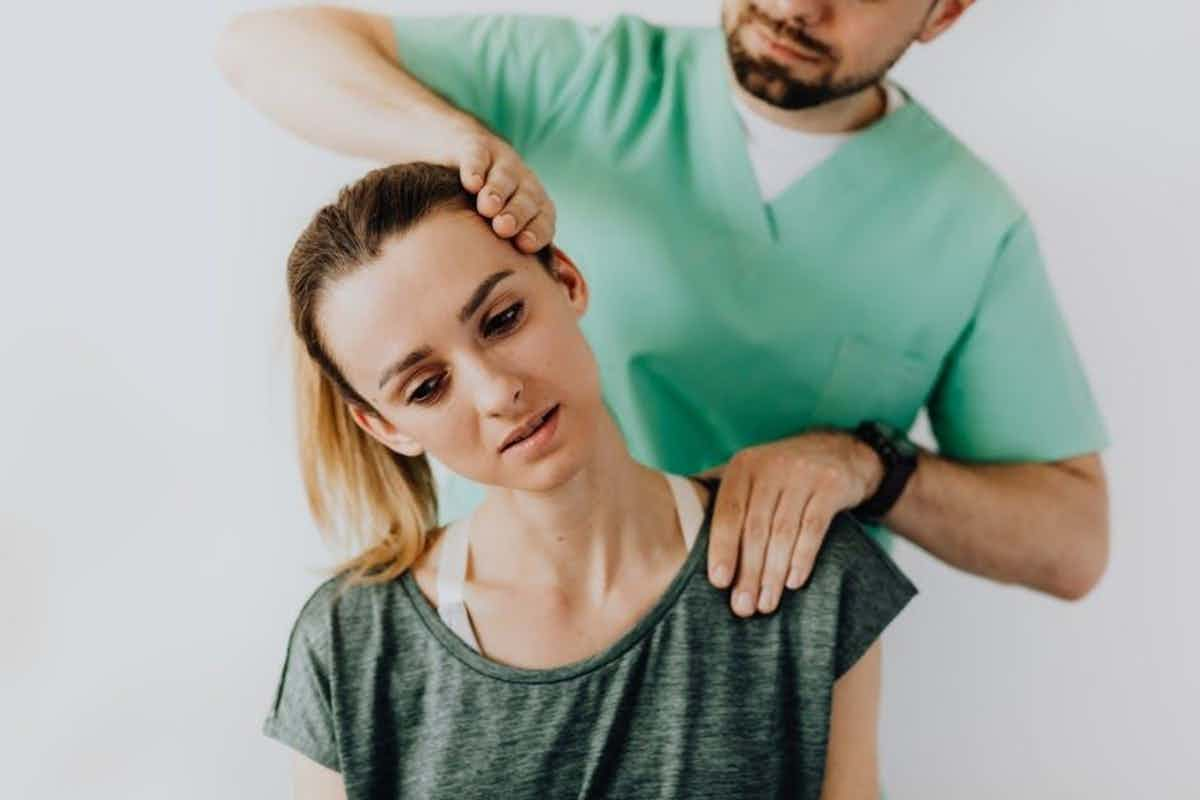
(429, 390)
(505, 321)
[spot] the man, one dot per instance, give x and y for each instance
(789, 256)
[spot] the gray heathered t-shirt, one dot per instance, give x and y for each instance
(692, 702)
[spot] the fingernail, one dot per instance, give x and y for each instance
(494, 196)
(765, 600)
(721, 575)
(793, 579)
(743, 603)
(528, 238)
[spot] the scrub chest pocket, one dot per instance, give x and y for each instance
(873, 381)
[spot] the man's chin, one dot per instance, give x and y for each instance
(786, 94)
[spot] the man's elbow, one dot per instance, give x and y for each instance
(1078, 568)
(1086, 562)
(244, 40)
(233, 45)
(1081, 577)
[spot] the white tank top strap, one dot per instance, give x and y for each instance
(451, 578)
(688, 507)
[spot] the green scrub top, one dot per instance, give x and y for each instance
(899, 273)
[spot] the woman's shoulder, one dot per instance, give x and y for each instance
(854, 593)
(849, 553)
(340, 608)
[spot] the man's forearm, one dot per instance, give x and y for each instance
(331, 77)
(1044, 526)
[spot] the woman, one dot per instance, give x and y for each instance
(562, 640)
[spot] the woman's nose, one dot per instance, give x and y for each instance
(499, 392)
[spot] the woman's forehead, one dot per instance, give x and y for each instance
(414, 293)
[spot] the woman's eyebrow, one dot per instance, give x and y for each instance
(415, 357)
(465, 313)
(481, 293)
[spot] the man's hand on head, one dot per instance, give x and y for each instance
(507, 192)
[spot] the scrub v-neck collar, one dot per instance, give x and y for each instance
(726, 173)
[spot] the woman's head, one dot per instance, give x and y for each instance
(423, 332)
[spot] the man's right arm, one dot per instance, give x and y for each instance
(333, 77)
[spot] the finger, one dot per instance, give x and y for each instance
(538, 233)
(785, 530)
(755, 531)
(726, 529)
(817, 516)
(516, 214)
(501, 183)
(473, 166)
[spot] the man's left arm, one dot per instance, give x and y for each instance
(1040, 525)
(1016, 493)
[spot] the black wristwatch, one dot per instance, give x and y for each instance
(899, 457)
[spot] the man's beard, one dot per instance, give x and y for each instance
(773, 82)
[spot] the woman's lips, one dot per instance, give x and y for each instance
(539, 437)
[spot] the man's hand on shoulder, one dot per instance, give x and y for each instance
(774, 507)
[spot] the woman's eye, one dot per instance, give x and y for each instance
(505, 320)
(427, 390)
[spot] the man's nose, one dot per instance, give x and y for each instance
(798, 12)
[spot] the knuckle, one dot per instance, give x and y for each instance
(523, 205)
(783, 527)
(501, 178)
(476, 152)
(756, 531)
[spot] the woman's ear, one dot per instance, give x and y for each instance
(572, 281)
(385, 432)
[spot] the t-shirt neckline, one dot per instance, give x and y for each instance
(462, 652)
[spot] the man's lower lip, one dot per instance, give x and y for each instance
(785, 51)
(788, 53)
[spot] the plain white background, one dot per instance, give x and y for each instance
(154, 544)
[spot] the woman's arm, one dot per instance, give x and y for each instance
(852, 761)
(311, 781)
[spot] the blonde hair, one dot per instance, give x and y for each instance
(365, 497)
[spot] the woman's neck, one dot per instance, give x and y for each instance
(613, 518)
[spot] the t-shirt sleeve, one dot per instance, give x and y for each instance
(873, 591)
(1013, 387)
(508, 71)
(301, 715)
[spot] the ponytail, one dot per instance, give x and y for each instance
(365, 498)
